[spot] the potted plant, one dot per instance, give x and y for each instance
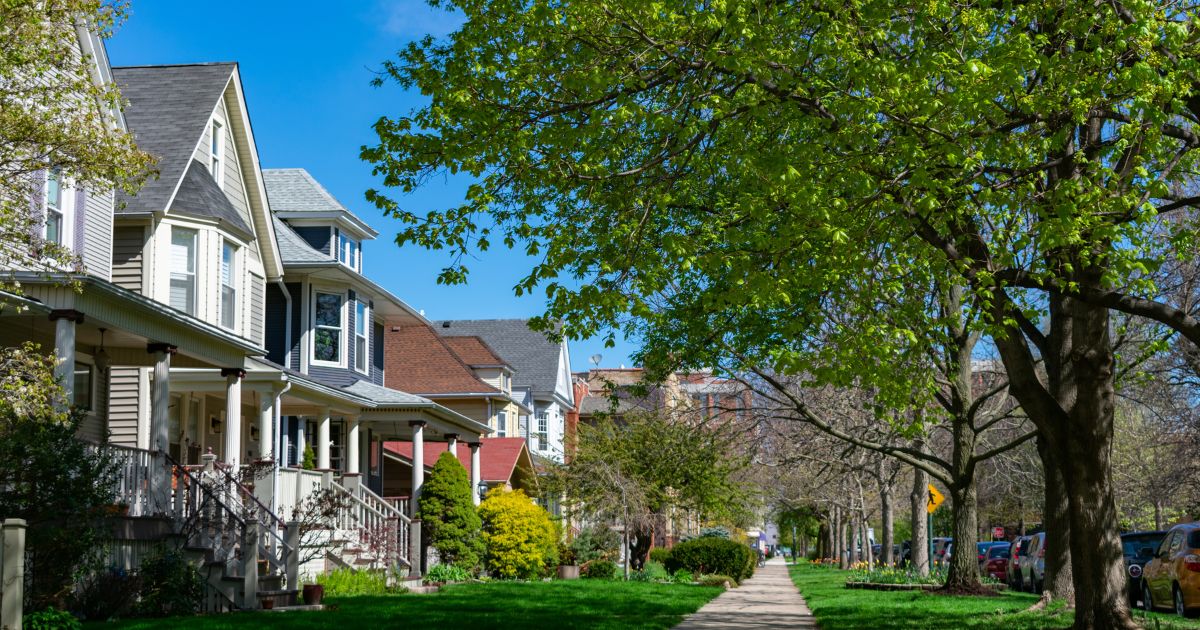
(567, 567)
(313, 594)
(268, 602)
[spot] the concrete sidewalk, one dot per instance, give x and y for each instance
(768, 600)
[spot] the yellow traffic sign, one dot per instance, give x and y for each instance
(935, 499)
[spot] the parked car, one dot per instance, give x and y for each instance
(995, 562)
(1138, 548)
(939, 549)
(876, 551)
(1033, 568)
(904, 555)
(1018, 554)
(1172, 577)
(981, 551)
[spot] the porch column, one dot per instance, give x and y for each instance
(266, 420)
(323, 440)
(301, 439)
(233, 414)
(160, 438)
(352, 456)
(418, 463)
(64, 348)
(475, 470)
(452, 444)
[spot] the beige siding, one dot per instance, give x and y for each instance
(128, 252)
(97, 234)
(123, 406)
(258, 306)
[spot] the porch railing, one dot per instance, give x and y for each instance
(134, 467)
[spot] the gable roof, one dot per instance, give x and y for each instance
(418, 360)
(200, 196)
(169, 107)
(473, 351)
(533, 358)
(293, 248)
(498, 457)
(294, 192)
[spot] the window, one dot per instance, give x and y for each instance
(327, 337)
(54, 207)
(347, 250)
(543, 430)
(228, 285)
(216, 151)
(183, 270)
(502, 424)
(83, 386)
(361, 354)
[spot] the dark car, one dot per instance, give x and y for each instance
(981, 551)
(995, 563)
(1138, 548)
(1018, 553)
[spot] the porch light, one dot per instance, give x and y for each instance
(483, 489)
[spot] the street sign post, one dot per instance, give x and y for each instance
(935, 499)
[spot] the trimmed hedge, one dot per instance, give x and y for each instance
(660, 555)
(713, 555)
(599, 569)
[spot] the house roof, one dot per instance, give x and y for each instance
(200, 196)
(418, 360)
(293, 248)
(383, 395)
(168, 109)
(473, 351)
(533, 358)
(498, 457)
(293, 191)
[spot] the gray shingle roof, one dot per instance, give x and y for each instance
(383, 395)
(295, 190)
(200, 196)
(292, 248)
(168, 109)
(534, 359)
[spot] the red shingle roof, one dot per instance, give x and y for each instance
(498, 457)
(417, 360)
(473, 351)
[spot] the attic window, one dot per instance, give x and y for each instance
(216, 152)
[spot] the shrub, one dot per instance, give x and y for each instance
(171, 586)
(709, 555)
(106, 594)
(716, 580)
(447, 573)
(520, 539)
(715, 532)
(347, 582)
(449, 521)
(599, 569)
(309, 461)
(655, 571)
(51, 619)
(660, 555)
(595, 541)
(682, 576)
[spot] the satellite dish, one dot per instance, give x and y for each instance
(595, 359)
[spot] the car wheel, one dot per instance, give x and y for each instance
(1179, 608)
(1147, 603)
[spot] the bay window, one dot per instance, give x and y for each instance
(361, 354)
(183, 270)
(229, 285)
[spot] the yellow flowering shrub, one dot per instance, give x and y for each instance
(519, 536)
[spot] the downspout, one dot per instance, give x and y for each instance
(489, 411)
(280, 455)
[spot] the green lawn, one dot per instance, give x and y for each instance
(839, 608)
(558, 604)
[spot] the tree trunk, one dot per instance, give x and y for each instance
(855, 536)
(887, 518)
(964, 564)
(920, 532)
(1158, 514)
(1057, 523)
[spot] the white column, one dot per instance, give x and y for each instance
(452, 443)
(64, 349)
(301, 439)
(352, 444)
(233, 414)
(323, 440)
(418, 462)
(266, 422)
(160, 401)
(475, 471)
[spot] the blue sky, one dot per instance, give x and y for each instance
(306, 69)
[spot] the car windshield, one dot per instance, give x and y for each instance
(1133, 545)
(1194, 539)
(998, 551)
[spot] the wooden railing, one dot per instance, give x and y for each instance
(400, 503)
(134, 467)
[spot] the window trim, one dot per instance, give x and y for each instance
(342, 240)
(65, 210)
(216, 151)
(542, 422)
(362, 320)
(235, 287)
(502, 423)
(313, 360)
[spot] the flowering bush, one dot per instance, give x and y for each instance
(889, 575)
(520, 539)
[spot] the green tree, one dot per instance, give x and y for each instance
(449, 521)
(520, 537)
(721, 177)
(56, 114)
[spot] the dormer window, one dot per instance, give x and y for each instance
(216, 152)
(348, 250)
